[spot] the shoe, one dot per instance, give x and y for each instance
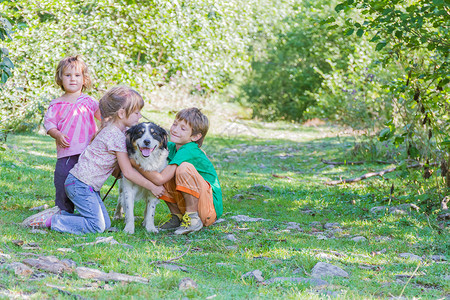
(173, 223)
(38, 220)
(191, 222)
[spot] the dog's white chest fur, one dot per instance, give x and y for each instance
(147, 145)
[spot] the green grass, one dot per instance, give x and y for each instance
(245, 154)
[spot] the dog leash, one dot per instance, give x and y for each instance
(104, 197)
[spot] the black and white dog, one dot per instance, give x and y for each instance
(147, 145)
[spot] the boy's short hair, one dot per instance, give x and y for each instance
(197, 120)
(77, 62)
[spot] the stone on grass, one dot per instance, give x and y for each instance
(20, 269)
(322, 269)
(331, 225)
(378, 209)
(255, 274)
(410, 256)
(262, 187)
(49, 263)
(294, 226)
(187, 284)
(243, 218)
(438, 258)
(88, 273)
(221, 220)
(315, 224)
(316, 282)
(231, 237)
(358, 239)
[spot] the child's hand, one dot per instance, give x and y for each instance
(62, 140)
(158, 191)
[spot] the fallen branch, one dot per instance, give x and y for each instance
(372, 174)
(172, 259)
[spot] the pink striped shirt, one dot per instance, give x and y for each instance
(76, 120)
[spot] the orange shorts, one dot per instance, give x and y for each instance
(188, 180)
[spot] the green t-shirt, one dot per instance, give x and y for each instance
(192, 154)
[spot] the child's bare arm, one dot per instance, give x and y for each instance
(61, 138)
(98, 115)
(131, 174)
(156, 177)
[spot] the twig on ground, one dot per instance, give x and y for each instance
(414, 273)
(172, 259)
(371, 174)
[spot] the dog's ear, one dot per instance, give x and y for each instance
(164, 138)
(130, 132)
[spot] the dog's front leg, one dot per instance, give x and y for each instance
(119, 211)
(149, 215)
(128, 207)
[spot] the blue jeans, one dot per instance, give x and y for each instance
(92, 215)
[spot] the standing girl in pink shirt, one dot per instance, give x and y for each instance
(70, 121)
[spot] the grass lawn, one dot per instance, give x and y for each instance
(269, 171)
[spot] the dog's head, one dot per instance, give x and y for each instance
(146, 137)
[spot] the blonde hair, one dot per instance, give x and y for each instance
(197, 120)
(73, 62)
(116, 98)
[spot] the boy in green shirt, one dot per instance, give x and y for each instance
(193, 192)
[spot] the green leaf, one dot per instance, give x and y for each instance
(339, 7)
(360, 32)
(349, 31)
(4, 77)
(380, 46)
(7, 62)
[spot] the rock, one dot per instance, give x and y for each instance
(262, 187)
(316, 282)
(49, 263)
(324, 269)
(410, 256)
(315, 224)
(256, 275)
(445, 216)
(321, 237)
(231, 237)
(397, 211)
(88, 273)
(438, 258)
(331, 225)
(20, 269)
(238, 197)
(359, 239)
(221, 220)
(378, 209)
(242, 218)
(186, 284)
(294, 226)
